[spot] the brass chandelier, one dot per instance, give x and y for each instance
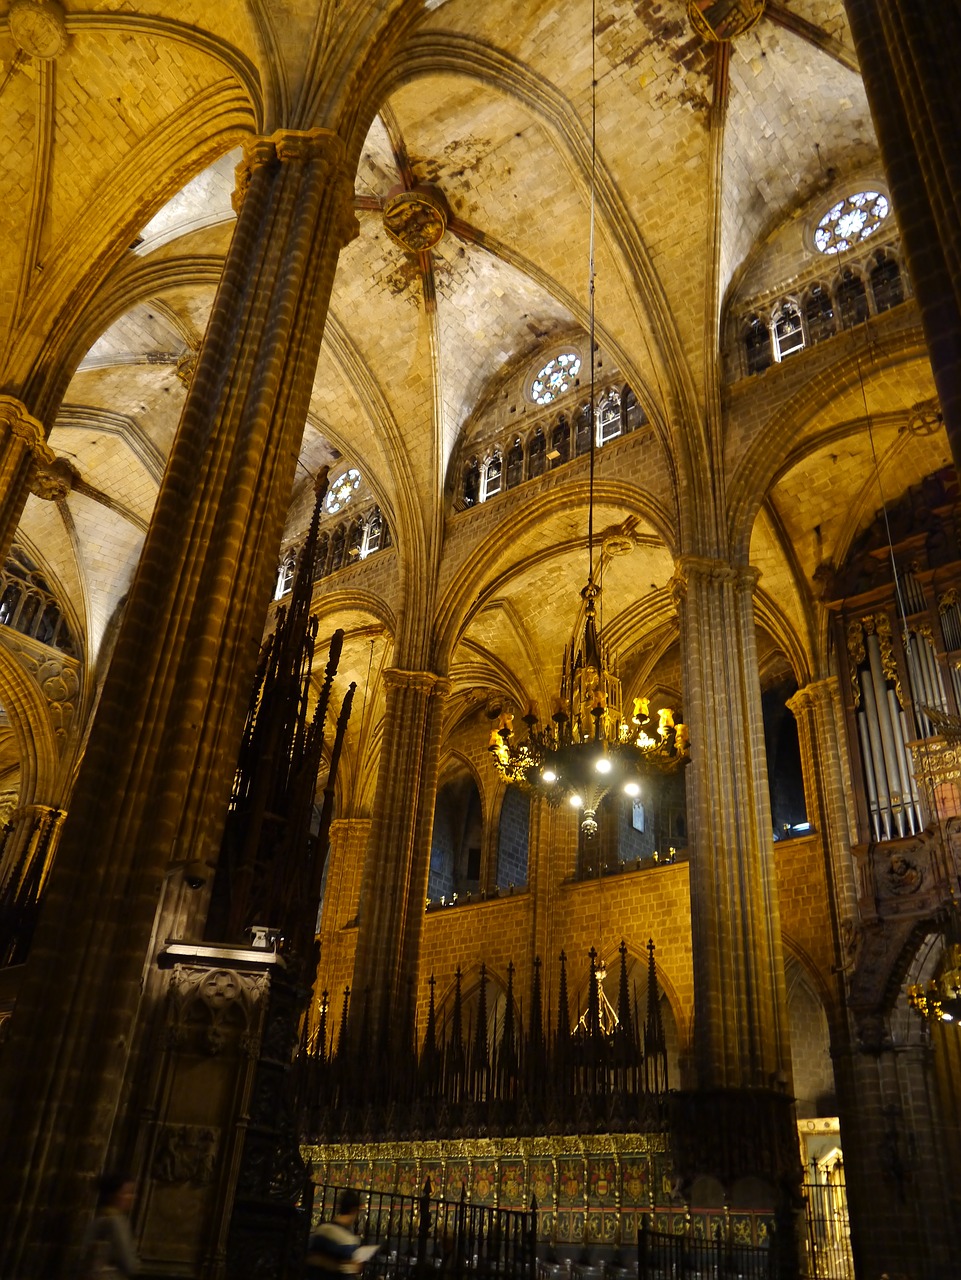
(589, 747)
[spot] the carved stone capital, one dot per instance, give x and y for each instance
(816, 693)
(301, 146)
(690, 569)
(421, 681)
(15, 419)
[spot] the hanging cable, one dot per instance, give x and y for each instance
(590, 291)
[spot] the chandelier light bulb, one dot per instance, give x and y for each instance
(632, 789)
(576, 801)
(603, 765)
(549, 775)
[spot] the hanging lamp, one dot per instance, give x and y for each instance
(589, 747)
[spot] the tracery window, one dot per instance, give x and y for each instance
(788, 331)
(515, 464)
(609, 418)
(757, 345)
(634, 415)
(536, 454)
(373, 533)
(819, 313)
(342, 490)
(582, 431)
(852, 299)
(28, 605)
(471, 488)
(555, 377)
(850, 221)
(285, 574)
(560, 451)
(492, 475)
(886, 283)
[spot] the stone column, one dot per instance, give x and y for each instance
(22, 447)
(338, 930)
(829, 799)
(740, 998)
(156, 776)
(908, 54)
(394, 888)
(897, 1184)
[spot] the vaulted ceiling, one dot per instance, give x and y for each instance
(116, 178)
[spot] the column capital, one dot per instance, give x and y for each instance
(688, 569)
(15, 416)
(299, 146)
(814, 693)
(421, 681)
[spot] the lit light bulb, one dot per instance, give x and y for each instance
(631, 789)
(576, 801)
(549, 775)
(603, 765)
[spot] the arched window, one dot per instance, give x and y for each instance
(285, 574)
(355, 541)
(457, 838)
(634, 415)
(886, 283)
(819, 313)
(757, 345)
(492, 475)
(512, 838)
(560, 450)
(536, 454)
(852, 299)
(9, 604)
(323, 555)
(609, 417)
(372, 533)
(471, 489)
(515, 464)
(582, 431)
(788, 331)
(338, 543)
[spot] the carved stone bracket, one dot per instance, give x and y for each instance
(213, 1008)
(52, 480)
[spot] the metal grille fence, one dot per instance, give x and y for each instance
(422, 1236)
(662, 1256)
(828, 1237)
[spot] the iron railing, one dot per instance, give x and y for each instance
(664, 1256)
(828, 1230)
(423, 1236)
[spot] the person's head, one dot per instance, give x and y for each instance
(116, 1192)
(348, 1204)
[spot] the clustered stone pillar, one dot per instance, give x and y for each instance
(740, 999)
(908, 54)
(394, 888)
(22, 448)
(156, 776)
(34, 830)
(345, 862)
(828, 796)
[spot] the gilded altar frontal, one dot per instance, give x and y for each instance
(480, 639)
